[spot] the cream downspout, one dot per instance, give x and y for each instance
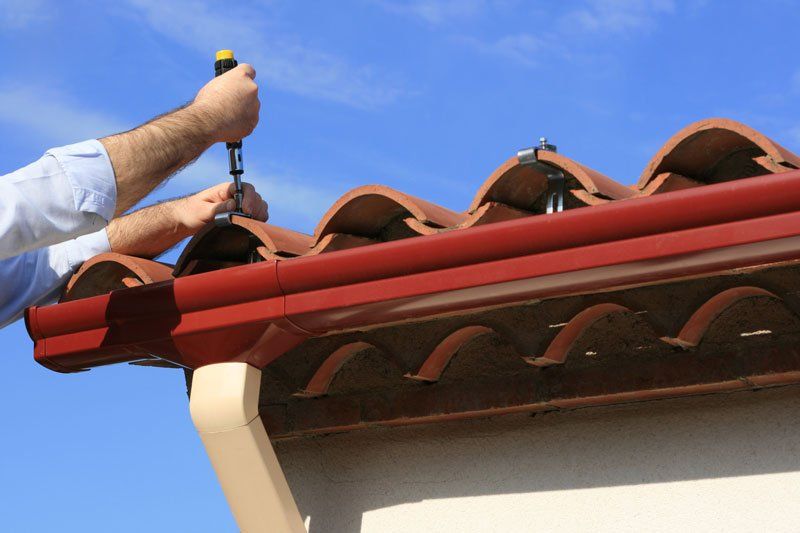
(224, 408)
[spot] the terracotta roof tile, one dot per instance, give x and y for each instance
(107, 272)
(369, 211)
(704, 152)
(692, 332)
(718, 149)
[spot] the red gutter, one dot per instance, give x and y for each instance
(257, 312)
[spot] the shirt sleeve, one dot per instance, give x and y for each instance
(70, 191)
(38, 277)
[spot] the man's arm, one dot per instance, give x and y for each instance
(38, 277)
(77, 189)
(150, 231)
(226, 109)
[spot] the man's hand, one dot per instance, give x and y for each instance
(195, 211)
(230, 104)
(151, 231)
(226, 109)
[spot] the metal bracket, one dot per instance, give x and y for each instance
(222, 220)
(556, 182)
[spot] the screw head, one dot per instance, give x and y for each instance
(546, 146)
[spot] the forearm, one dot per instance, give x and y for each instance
(148, 232)
(153, 230)
(225, 109)
(145, 156)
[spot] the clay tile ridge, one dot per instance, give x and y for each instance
(109, 271)
(375, 213)
(707, 151)
(713, 150)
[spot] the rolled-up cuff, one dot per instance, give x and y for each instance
(86, 247)
(88, 169)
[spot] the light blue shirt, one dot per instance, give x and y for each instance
(52, 218)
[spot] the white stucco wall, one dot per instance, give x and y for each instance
(715, 463)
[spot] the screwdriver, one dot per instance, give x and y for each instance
(225, 62)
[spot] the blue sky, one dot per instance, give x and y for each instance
(427, 96)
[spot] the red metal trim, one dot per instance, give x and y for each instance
(218, 316)
(192, 321)
(597, 267)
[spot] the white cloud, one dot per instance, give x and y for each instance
(52, 117)
(293, 202)
(288, 196)
(435, 11)
(20, 14)
(282, 61)
(569, 34)
(619, 15)
(521, 48)
(593, 15)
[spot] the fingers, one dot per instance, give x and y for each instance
(262, 213)
(217, 193)
(247, 69)
(252, 203)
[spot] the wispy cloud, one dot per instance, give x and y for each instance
(20, 14)
(592, 15)
(523, 48)
(52, 116)
(574, 33)
(619, 15)
(283, 61)
(292, 197)
(435, 11)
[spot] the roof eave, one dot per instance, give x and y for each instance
(254, 313)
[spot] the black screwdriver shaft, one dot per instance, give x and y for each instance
(235, 164)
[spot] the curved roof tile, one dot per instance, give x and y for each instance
(559, 347)
(696, 327)
(706, 151)
(438, 359)
(520, 186)
(717, 149)
(110, 271)
(366, 212)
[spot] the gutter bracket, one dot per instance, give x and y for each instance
(556, 182)
(222, 220)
